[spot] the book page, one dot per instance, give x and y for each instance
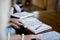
(23, 14)
(53, 35)
(35, 25)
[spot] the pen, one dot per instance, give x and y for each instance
(8, 36)
(22, 36)
(38, 27)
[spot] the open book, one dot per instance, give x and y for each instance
(34, 25)
(31, 23)
(53, 35)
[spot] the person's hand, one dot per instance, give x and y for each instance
(15, 22)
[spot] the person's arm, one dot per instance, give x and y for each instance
(17, 8)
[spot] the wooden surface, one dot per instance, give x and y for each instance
(51, 18)
(39, 3)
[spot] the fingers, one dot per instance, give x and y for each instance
(18, 23)
(14, 25)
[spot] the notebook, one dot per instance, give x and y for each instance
(53, 35)
(34, 25)
(23, 14)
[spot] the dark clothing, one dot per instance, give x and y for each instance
(14, 11)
